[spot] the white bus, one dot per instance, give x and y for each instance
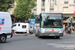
(49, 24)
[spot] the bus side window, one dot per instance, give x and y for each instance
(37, 20)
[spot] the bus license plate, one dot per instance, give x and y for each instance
(51, 35)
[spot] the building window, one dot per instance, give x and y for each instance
(52, 2)
(43, 10)
(15, 4)
(66, 2)
(51, 10)
(74, 1)
(34, 12)
(65, 9)
(43, 2)
(36, 2)
(55, 2)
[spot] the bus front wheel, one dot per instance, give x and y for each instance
(38, 36)
(57, 37)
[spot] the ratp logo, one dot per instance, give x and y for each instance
(1, 21)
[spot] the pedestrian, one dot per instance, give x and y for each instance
(73, 28)
(66, 29)
(69, 30)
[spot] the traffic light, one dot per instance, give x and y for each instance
(71, 20)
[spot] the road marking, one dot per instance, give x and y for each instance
(65, 46)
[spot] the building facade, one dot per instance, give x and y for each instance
(67, 7)
(11, 11)
(54, 6)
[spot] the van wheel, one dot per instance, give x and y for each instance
(2, 39)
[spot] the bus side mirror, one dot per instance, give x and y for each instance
(38, 18)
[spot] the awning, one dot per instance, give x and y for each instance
(68, 12)
(13, 18)
(69, 21)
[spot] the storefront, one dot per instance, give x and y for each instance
(67, 16)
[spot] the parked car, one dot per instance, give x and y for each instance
(22, 28)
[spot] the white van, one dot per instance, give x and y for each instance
(5, 26)
(22, 28)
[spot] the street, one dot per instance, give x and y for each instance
(30, 42)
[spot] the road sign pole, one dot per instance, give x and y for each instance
(71, 24)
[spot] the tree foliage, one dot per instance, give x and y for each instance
(24, 9)
(5, 4)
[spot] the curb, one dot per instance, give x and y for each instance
(71, 34)
(20, 35)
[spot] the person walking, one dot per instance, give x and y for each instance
(73, 28)
(66, 29)
(69, 30)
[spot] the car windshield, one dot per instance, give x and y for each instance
(51, 21)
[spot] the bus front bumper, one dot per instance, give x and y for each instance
(51, 34)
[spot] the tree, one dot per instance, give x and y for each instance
(5, 4)
(24, 9)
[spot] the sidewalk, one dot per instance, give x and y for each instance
(73, 33)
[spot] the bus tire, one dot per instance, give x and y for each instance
(35, 35)
(39, 36)
(2, 38)
(57, 37)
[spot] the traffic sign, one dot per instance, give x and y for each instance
(74, 12)
(71, 20)
(71, 5)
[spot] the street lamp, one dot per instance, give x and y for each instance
(71, 24)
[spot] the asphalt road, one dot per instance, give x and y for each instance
(67, 42)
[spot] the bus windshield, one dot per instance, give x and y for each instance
(51, 21)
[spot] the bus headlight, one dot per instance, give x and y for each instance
(60, 31)
(42, 30)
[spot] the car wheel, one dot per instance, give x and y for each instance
(2, 39)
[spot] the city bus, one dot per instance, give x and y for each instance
(49, 24)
